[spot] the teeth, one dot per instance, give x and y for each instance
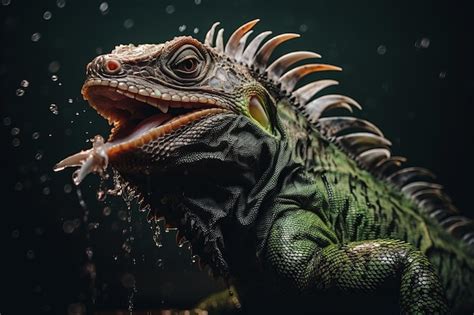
(151, 101)
(176, 98)
(203, 100)
(194, 99)
(163, 108)
(133, 89)
(166, 97)
(113, 83)
(211, 101)
(157, 93)
(131, 95)
(119, 92)
(122, 86)
(141, 98)
(143, 92)
(185, 99)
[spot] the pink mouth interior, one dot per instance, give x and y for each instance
(144, 126)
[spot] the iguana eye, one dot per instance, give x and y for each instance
(187, 62)
(187, 66)
(112, 66)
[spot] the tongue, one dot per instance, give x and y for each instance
(144, 126)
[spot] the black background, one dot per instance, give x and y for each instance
(409, 63)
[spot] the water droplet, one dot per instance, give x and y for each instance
(24, 83)
(20, 92)
(107, 211)
(30, 254)
(93, 226)
(35, 135)
(422, 43)
(38, 155)
(89, 252)
(104, 8)
(169, 9)
(16, 142)
(54, 66)
(15, 233)
(6, 2)
(101, 195)
(127, 247)
(7, 121)
(47, 15)
(425, 43)
(54, 109)
(68, 227)
(182, 28)
(381, 50)
(35, 37)
(46, 191)
(67, 188)
(44, 178)
(303, 28)
(197, 2)
(160, 264)
(128, 23)
(54, 78)
(99, 50)
(156, 229)
(61, 3)
(15, 131)
(196, 30)
(442, 75)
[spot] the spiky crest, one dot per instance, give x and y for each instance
(369, 148)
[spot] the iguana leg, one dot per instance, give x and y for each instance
(305, 254)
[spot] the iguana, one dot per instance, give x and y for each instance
(269, 189)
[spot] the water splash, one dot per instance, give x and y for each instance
(94, 160)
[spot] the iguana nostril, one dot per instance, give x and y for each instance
(112, 66)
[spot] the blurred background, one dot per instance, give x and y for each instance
(409, 63)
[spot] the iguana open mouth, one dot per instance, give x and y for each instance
(141, 115)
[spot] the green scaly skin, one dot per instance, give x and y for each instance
(262, 196)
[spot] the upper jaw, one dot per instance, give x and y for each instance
(158, 97)
(140, 114)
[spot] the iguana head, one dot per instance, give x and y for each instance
(166, 96)
(195, 126)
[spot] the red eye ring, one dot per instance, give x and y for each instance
(112, 66)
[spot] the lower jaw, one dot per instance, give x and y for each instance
(141, 136)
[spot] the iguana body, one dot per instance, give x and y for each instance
(266, 190)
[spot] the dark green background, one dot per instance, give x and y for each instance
(428, 117)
